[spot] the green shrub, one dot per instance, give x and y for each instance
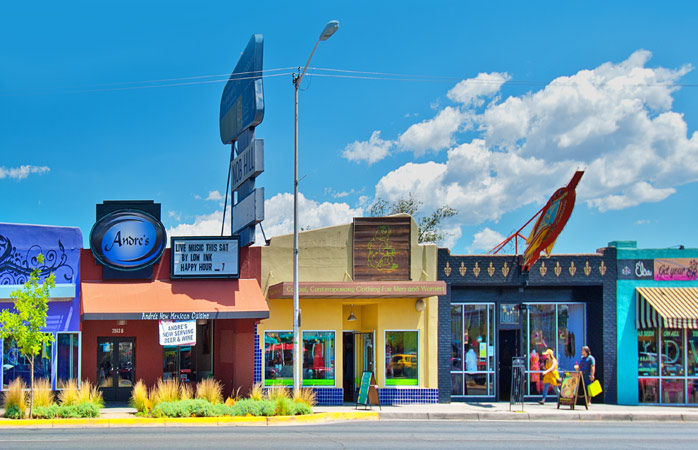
(222, 410)
(258, 408)
(79, 411)
(170, 409)
(46, 412)
(14, 412)
(300, 409)
(198, 407)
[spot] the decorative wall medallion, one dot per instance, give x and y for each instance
(447, 269)
(542, 269)
(587, 268)
(476, 270)
(490, 270)
(505, 270)
(462, 269)
(557, 269)
(602, 268)
(572, 269)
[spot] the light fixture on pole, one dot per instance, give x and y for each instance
(328, 31)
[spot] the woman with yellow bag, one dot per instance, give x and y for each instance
(551, 377)
(588, 368)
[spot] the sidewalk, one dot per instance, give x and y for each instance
(120, 416)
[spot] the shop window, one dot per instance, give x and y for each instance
(401, 358)
(14, 365)
(557, 326)
(278, 358)
(318, 358)
(648, 365)
(667, 366)
(472, 340)
(68, 358)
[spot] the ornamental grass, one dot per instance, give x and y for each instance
(186, 391)
(43, 393)
(257, 392)
(140, 399)
(15, 401)
(88, 393)
(305, 396)
(211, 390)
(165, 391)
(70, 394)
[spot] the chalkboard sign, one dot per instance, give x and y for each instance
(368, 394)
(570, 390)
(518, 381)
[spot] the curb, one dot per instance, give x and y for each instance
(542, 417)
(192, 421)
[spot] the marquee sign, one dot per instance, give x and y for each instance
(128, 240)
(205, 257)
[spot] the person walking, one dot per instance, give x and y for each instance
(587, 365)
(551, 377)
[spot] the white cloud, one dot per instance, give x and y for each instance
(485, 240)
(434, 134)
(614, 120)
(642, 222)
(22, 172)
(370, 151)
(471, 91)
(214, 195)
(204, 225)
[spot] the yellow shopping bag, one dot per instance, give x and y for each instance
(594, 388)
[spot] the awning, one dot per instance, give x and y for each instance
(173, 300)
(674, 307)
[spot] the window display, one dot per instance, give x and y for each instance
(667, 376)
(14, 365)
(68, 358)
(401, 359)
(278, 358)
(318, 358)
(472, 338)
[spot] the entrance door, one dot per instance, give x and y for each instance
(508, 348)
(116, 359)
(348, 382)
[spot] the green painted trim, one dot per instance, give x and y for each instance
(318, 382)
(401, 382)
(279, 382)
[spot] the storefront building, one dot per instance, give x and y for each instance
(60, 246)
(493, 312)
(368, 300)
(657, 325)
(190, 314)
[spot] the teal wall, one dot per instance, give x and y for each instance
(625, 308)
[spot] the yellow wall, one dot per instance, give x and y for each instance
(326, 255)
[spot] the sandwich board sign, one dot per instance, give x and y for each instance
(572, 384)
(368, 394)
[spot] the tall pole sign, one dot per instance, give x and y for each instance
(242, 109)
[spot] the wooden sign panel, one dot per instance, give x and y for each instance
(382, 248)
(572, 387)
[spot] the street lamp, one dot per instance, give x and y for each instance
(328, 31)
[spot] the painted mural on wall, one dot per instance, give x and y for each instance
(21, 244)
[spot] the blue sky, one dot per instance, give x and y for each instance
(494, 109)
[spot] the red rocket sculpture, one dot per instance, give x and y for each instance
(551, 221)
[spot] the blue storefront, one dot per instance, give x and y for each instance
(657, 311)
(60, 246)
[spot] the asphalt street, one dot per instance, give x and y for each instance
(366, 435)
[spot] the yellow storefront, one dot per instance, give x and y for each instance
(369, 302)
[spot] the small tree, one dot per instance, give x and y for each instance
(428, 226)
(24, 326)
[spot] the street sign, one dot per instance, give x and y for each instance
(248, 164)
(242, 104)
(249, 210)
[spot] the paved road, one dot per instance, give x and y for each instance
(367, 435)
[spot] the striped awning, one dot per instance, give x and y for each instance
(674, 307)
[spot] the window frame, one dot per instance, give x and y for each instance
(334, 378)
(264, 360)
(385, 362)
(79, 362)
(491, 310)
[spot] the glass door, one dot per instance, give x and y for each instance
(116, 367)
(365, 355)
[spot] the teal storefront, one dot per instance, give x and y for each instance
(657, 320)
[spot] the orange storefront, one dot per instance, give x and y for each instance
(121, 319)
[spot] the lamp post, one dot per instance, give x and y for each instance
(328, 31)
